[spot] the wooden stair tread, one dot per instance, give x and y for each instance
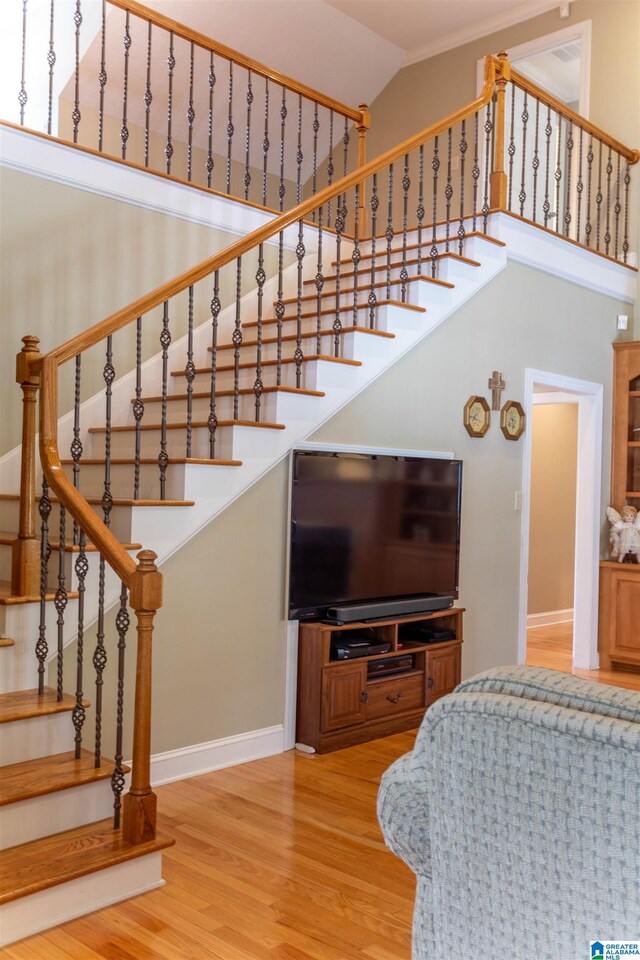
(247, 365)
(129, 428)
(129, 461)
(364, 288)
(381, 264)
(328, 311)
(34, 778)
(426, 242)
(7, 599)
(25, 704)
(310, 334)
(45, 863)
(244, 391)
(69, 547)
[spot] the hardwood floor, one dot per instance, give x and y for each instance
(551, 647)
(279, 859)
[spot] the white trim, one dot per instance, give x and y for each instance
(488, 26)
(291, 674)
(199, 758)
(589, 397)
(549, 618)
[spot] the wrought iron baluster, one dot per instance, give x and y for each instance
(212, 82)
(558, 173)
(488, 127)
(76, 444)
(448, 190)
(330, 167)
(461, 227)
(420, 210)
(298, 355)
(78, 714)
(337, 322)
(475, 172)
(109, 375)
(247, 150)
(372, 300)
(617, 208)
(316, 128)
(535, 163)
(265, 143)
(148, 100)
(283, 118)
(511, 149)
(435, 166)
(599, 197)
(230, 127)
(345, 141)
(389, 231)
(279, 310)
(258, 385)
(406, 183)
(189, 372)
(171, 62)
(299, 154)
(588, 226)
(117, 777)
(76, 116)
(51, 59)
(355, 255)
(138, 410)
(319, 281)
(567, 205)
(60, 602)
(607, 235)
(102, 75)
(165, 342)
(625, 242)
(237, 340)
(22, 94)
(42, 647)
(522, 196)
(124, 130)
(546, 206)
(191, 115)
(212, 421)
(579, 187)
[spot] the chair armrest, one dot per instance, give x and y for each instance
(403, 813)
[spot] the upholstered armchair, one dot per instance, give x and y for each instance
(519, 812)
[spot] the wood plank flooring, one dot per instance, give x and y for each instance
(279, 859)
(551, 647)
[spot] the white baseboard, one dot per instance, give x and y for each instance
(549, 618)
(202, 758)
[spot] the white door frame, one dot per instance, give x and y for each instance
(589, 397)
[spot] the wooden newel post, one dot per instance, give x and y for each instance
(498, 187)
(25, 556)
(139, 805)
(362, 127)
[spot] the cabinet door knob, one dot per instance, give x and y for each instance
(364, 697)
(430, 682)
(392, 699)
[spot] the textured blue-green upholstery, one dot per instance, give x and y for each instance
(519, 811)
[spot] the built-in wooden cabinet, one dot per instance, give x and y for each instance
(343, 702)
(619, 621)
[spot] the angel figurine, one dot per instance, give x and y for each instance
(625, 533)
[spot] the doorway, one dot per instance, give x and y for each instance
(587, 397)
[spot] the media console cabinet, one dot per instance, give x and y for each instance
(343, 702)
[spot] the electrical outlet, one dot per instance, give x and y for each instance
(455, 163)
(623, 321)
(517, 501)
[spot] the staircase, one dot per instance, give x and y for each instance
(168, 444)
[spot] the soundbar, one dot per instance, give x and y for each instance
(378, 609)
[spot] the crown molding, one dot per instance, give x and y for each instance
(527, 11)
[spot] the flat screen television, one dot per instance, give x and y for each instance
(367, 528)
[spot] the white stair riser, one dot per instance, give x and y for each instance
(200, 408)
(54, 812)
(149, 483)
(36, 737)
(48, 908)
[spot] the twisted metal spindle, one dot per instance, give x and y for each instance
(420, 210)
(247, 147)
(189, 372)
(579, 186)
(76, 448)
(109, 375)
(319, 282)
(337, 323)
(117, 777)
(148, 100)
(511, 149)
(406, 183)
(78, 714)
(599, 197)
(345, 142)
(299, 154)
(212, 421)
(42, 647)
(617, 208)
(522, 196)
(191, 115)
(22, 95)
(463, 153)
(212, 82)
(330, 166)
(279, 310)
(355, 255)
(448, 190)
(435, 166)
(124, 130)
(102, 75)
(60, 603)
(76, 115)
(258, 385)
(99, 661)
(165, 342)
(475, 171)
(588, 225)
(265, 143)
(298, 355)
(488, 127)
(230, 127)
(607, 235)
(558, 173)
(51, 59)
(138, 411)
(171, 62)
(625, 241)
(283, 118)
(372, 300)
(535, 163)
(316, 128)
(568, 198)
(237, 339)
(546, 206)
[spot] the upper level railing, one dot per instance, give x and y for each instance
(227, 344)
(131, 83)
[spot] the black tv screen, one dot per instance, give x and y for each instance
(369, 527)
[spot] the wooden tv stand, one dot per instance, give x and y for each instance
(339, 704)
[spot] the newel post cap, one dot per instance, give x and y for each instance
(30, 352)
(146, 583)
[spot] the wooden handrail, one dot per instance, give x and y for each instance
(631, 155)
(70, 349)
(359, 116)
